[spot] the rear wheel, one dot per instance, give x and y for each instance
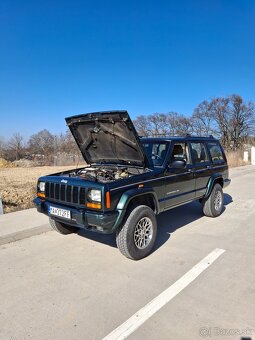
(136, 237)
(213, 205)
(62, 228)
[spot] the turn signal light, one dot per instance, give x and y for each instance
(108, 200)
(41, 194)
(94, 205)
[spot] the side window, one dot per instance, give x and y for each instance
(199, 153)
(156, 152)
(215, 152)
(180, 151)
(159, 150)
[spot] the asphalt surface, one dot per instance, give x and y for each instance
(81, 287)
(22, 224)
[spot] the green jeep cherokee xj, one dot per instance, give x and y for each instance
(129, 180)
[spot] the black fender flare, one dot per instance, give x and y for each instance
(128, 195)
(213, 179)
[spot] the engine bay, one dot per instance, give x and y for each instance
(104, 174)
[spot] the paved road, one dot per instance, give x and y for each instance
(81, 287)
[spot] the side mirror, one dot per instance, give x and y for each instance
(178, 164)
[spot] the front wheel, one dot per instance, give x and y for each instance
(62, 228)
(213, 205)
(136, 237)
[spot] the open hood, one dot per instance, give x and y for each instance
(108, 137)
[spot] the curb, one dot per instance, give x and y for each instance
(20, 235)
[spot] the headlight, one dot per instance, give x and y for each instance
(95, 195)
(41, 186)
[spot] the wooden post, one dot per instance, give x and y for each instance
(246, 156)
(253, 155)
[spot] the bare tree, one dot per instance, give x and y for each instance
(163, 124)
(242, 119)
(158, 123)
(16, 147)
(41, 145)
(202, 119)
(42, 142)
(142, 125)
(2, 147)
(213, 117)
(69, 144)
(183, 126)
(229, 118)
(65, 151)
(220, 112)
(173, 122)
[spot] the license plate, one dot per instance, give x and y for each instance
(60, 212)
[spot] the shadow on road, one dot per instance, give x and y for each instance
(227, 199)
(168, 222)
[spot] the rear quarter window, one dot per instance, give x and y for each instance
(199, 152)
(215, 152)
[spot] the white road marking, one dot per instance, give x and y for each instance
(136, 320)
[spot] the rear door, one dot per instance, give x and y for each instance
(218, 158)
(202, 166)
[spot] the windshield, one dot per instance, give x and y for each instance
(156, 151)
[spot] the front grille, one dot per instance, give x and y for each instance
(69, 193)
(82, 196)
(65, 193)
(62, 192)
(75, 194)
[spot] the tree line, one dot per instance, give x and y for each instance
(43, 148)
(231, 119)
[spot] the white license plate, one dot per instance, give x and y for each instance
(60, 212)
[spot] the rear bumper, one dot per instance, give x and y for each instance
(105, 222)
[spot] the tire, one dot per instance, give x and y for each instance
(130, 237)
(213, 205)
(62, 228)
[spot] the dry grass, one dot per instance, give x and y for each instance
(18, 185)
(6, 164)
(235, 158)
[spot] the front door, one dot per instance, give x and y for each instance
(179, 183)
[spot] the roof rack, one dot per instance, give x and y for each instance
(161, 135)
(189, 135)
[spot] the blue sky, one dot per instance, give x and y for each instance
(59, 58)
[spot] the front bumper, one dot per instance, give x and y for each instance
(105, 222)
